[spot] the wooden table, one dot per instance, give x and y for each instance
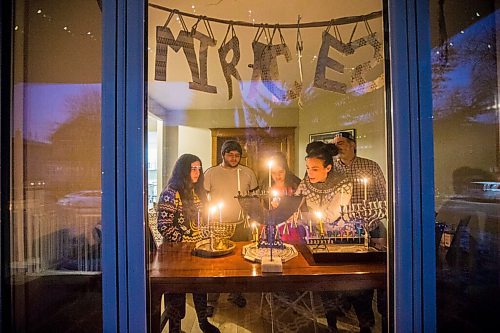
(173, 269)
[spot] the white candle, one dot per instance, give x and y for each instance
(239, 182)
(310, 226)
(198, 220)
(270, 164)
(212, 210)
(365, 181)
(220, 211)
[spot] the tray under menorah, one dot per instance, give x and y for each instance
(347, 252)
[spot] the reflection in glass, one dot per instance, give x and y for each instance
(467, 173)
(55, 239)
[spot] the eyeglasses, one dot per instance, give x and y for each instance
(197, 167)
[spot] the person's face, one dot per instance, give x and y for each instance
(316, 171)
(346, 147)
(195, 171)
(278, 174)
(232, 158)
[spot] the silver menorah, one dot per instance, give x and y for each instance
(366, 213)
(358, 220)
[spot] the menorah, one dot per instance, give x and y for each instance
(257, 207)
(366, 212)
(351, 227)
(215, 235)
(219, 234)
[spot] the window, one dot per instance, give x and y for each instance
(237, 79)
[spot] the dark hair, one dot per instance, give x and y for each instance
(230, 145)
(290, 178)
(347, 135)
(180, 180)
(323, 151)
(313, 145)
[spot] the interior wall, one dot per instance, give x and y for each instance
(190, 133)
(196, 141)
(365, 114)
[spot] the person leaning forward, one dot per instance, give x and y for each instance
(358, 170)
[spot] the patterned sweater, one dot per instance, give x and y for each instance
(171, 221)
(326, 197)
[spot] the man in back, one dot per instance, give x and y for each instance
(222, 183)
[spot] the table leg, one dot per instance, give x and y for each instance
(156, 324)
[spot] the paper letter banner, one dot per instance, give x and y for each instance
(265, 66)
(165, 38)
(200, 81)
(320, 80)
(358, 81)
(229, 68)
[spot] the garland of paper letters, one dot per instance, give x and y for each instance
(265, 54)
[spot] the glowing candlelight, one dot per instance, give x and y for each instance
(320, 222)
(270, 164)
(239, 182)
(210, 212)
(310, 226)
(220, 210)
(365, 182)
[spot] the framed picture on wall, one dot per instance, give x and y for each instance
(327, 137)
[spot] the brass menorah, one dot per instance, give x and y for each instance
(218, 233)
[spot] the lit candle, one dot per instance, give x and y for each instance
(220, 211)
(365, 182)
(210, 212)
(198, 219)
(320, 222)
(255, 233)
(208, 215)
(310, 226)
(270, 164)
(239, 182)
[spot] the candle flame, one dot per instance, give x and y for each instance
(275, 193)
(220, 204)
(213, 209)
(318, 214)
(270, 164)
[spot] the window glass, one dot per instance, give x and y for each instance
(240, 85)
(55, 238)
(467, 175)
